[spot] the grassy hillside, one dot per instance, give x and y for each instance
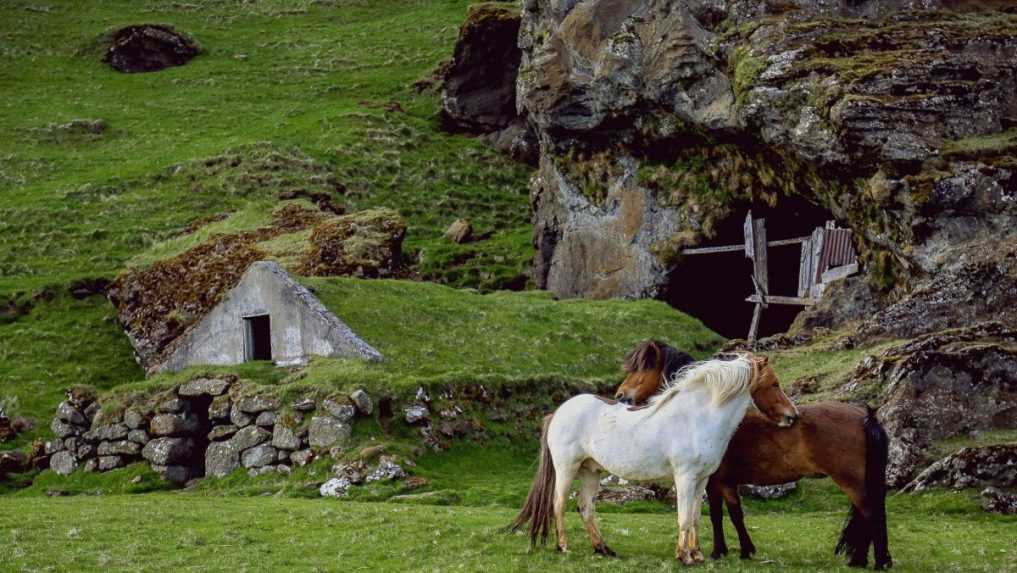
(320, 89)
(292, 97)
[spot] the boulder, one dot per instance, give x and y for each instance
(148, 48)
(70, 414)
(970, 467)
(326, 431)
(362, 401)
(91, 465)
(220, 433)
(302, 457)
(996, 501)
(168, 451)
(204, 387)
(335, 487)
(259, 456)
(415, 413)
(54, 446)
(64, 430)
(174, 406)
(479, 85)
(257, 404)
(221, 458)
(342, 412)
(239, 418)
(249, 437)
(265, 419)
(387, 470)
(134, 419)
(303, 405)
(768, 491)
(460, 231)
(220, 407)
(107, 463)
(174, 424)
(138, 436)
(118, 448)
(109, 433)
(941, 386)
(85, 451)
(285, 437)
(364, 244)
(63, 463)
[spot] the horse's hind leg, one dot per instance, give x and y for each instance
(564, 475)
(589, 486)
(734, 511)
(713, 495)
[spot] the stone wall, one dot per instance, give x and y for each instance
(207, 426)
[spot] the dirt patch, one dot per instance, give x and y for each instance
(149, 48)
(364, 244)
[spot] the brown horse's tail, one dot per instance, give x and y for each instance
(859, 532)
(538, 510)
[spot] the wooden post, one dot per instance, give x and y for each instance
(755, 249)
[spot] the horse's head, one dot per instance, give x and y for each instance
(647, 367)
(767, 394)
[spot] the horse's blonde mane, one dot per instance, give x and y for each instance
(726, 379)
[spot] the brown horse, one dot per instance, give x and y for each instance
(841, 441)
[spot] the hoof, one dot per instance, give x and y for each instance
(860, 564)
(882, 565)
(563, 549)
(685, 557)
(718, 552)
(604, 550)
(697, 556)
(746, 555)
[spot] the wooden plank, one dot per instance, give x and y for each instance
(711, 250)
(754, 325)
(782, 242)
(838, 273)
(788, 300)
(750, 243)
(759, 261)
(805, 269)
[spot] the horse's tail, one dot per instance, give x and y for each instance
(858, 532)
(538, 510)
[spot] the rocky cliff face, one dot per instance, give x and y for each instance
(659, 121)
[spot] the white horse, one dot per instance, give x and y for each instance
(680, 435)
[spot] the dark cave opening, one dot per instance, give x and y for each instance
(199, 408)
(713, 287)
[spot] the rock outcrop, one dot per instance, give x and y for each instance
(970, 467)
(149, 48)
(942, 386)
(478, 86)
(659, 122)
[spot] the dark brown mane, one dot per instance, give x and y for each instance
(656, 355)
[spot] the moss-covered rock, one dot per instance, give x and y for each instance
(365, 244)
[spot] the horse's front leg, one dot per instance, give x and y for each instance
(689, 494)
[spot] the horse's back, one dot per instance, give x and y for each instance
(827, 439)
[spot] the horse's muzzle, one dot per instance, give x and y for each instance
(624, 399)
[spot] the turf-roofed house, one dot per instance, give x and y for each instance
(266, 316)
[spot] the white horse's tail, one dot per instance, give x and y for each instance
(538, 510)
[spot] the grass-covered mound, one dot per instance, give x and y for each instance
(432, 334)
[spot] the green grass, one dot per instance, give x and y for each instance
(428, 331)
(181, 531)
(60, 343)
(981, 439)
(311, 105)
